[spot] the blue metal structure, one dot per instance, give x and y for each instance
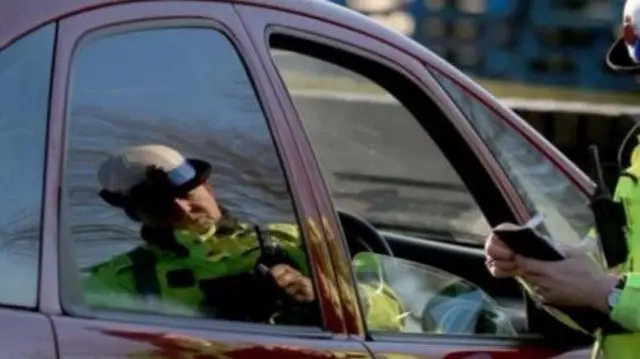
(545, 42)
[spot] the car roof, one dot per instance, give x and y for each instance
(18, 17)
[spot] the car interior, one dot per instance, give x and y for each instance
(506, 295)
(505, 316)
(464, 261)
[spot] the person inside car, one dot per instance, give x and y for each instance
(197, 259)
(573, 282)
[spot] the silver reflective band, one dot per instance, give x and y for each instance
(633, 52)
(614, 298)
(181, 174)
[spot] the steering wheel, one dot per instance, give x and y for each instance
(361, 235)
(462, 309)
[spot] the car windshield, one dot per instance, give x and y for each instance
(377, 159)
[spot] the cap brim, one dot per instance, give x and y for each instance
(618, 59)
(203, 171)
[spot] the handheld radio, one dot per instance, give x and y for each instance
(610, 217)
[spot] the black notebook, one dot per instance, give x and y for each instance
(529, 242)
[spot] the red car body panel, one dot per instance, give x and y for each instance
(246, 21)
(26, 334)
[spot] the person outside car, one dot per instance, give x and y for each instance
(574, 281)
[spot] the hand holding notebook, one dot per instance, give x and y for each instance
(527, 241)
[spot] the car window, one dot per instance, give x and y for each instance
(157, 249)
(373, 133)
(25, 75)
(377, 160)
(543, 187)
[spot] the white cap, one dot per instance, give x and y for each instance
(631, 17)
(631, 14)
(623, 57)
(121, 172)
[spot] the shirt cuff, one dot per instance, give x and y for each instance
(627, 311)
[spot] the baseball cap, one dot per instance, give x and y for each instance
(624, 55)
(149, 170)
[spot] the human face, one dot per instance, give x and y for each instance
(198, 210)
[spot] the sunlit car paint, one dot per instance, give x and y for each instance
(177, 346)
(330, 291)
(351, 309)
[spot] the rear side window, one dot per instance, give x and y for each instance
(25, 75)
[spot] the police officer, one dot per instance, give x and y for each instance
(197, 259)
(573, 282)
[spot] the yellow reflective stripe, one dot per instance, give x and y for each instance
(285, 232)
(633, 280)
(383, 311)
(565, 319)
(597, 346)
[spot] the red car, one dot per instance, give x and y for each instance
(308, 112)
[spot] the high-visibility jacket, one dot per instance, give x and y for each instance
(627, 310)
(169, 278)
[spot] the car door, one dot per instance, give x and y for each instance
(25, 76)
(179, 74)
(353, 92)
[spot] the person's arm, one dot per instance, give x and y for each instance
(288, 237)
(384, 311)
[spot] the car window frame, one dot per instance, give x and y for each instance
(377, 337)
(72, 31)
(270, 20)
